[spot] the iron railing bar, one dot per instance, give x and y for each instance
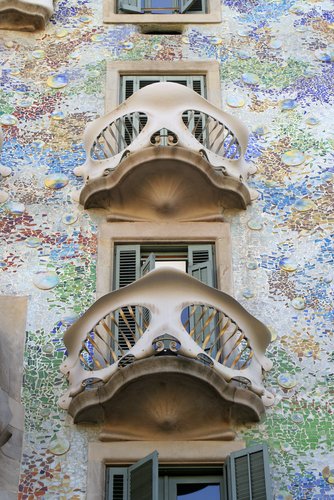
(221, 144)
(215, 328)
(133, 315)
(219, 133)
(84, 361)
(247, 360)
(235, 345)
(95, 345)
(122, 333)
(101, 148)
(230, 144)
(206, 324)
(112, 152)
(235, 361)
(204, 310)
(122, 139)
(85, 348)
(132, 133)
(122, 313)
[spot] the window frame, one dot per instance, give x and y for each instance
(145, 233)
(116, 69)
(255, 473)
(212, 15)
(125, 453)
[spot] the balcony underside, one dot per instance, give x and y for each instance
(162, 183)
(25, 15)
(159, 397)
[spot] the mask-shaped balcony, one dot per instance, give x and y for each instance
(156, 357)
(168, 146)
(25, 15)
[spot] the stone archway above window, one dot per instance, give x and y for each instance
(25, 15)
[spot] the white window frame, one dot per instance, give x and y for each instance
(212, 14)
(116, 69)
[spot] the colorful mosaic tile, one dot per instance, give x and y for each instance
(277, 76)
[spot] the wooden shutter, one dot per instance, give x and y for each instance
(185, 5)
(116, 487)
(143, 479)
(247, 476)
(200, 263)
(200, 266)
(127, 265)
(198, 85)
(127, 270)
(130, 5)
(148, 265)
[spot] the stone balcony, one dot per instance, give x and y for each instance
(25, 15)
(146, 358)
(169, 145)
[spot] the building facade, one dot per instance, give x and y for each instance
(136, 136)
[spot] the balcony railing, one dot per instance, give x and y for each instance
(117, 332)
(118, 135)
(171, 110)
(186, 318)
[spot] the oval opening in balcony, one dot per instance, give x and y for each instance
(218, 335)
(117, 136)
(113, 336)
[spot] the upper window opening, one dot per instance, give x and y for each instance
(157, 12)
(130, 84)
(161, 6)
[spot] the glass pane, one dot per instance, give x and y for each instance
(175, 264)
(198, 491)
(162, 6)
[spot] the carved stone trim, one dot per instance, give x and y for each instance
(176, 184)
(167, 398)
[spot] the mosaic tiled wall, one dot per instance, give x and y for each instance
(277, 75)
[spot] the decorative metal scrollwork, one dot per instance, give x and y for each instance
(127, 360)
(166, 343)
(206, 360)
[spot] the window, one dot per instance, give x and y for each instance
(202, 76)
(161, 6)
(245, 476)
(162, 12)
(130, 84)
(134, 261)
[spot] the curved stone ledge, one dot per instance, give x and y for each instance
(160, 183)
(156, 398)
(25, 15)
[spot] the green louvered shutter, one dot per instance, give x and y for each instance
(116, 487)
(200, 263)
(247, 475)
(185, 5)
(130, 6)
(200, 266)
(127, 270)
(148, 266)
(143, 479)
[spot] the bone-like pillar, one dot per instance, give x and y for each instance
(13, 312)
(25, 15)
